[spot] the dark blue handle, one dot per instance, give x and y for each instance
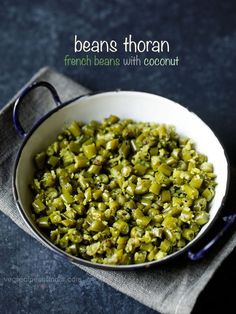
(229, 220)
(16, 120)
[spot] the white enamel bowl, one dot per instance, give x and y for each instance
(139, 106)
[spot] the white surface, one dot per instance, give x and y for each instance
(138, 106)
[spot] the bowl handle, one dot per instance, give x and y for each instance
(228, 221)
(16, 121)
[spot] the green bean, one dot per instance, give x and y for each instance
(160, 255)
(155, 188)
(121, 242)
(126, 171)
(43, 222)
(67, 197)
(122, 226)
(97, 226)
(165, 169)
(136, 232)
(152, 254)
(202, 218)
(97, 194)
(191, 192)
(170, 222)
(124, 149)
(90, 150)
(155, 162)
(55, 217)
(123, 214)
(196, 182)
(208, 194)
(58, 203)
(148, 247)
(142, 186)
(147, 203)
(186, 215)
(102, 207)
(92, 249)
(53, 161)
(140, 257)
(64, 242)
(147, 237)
(81, 162)
(200, 204)
(38, 206)
(112, 145)
(143, 221)
(94, 169)
(140, 169)
(165, 246)
(68, 222)
(188, 234)
(206, 167)
(121, 192)
(48, 179)
(165, 196)
(132, 244)
(67, 157)
(131, 189)
(74, 129)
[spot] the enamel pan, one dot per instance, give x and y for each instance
(139, 106)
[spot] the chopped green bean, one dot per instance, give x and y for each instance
(121, 192)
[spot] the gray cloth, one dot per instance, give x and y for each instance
(171, 288)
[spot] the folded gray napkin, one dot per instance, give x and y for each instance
(171, 288)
